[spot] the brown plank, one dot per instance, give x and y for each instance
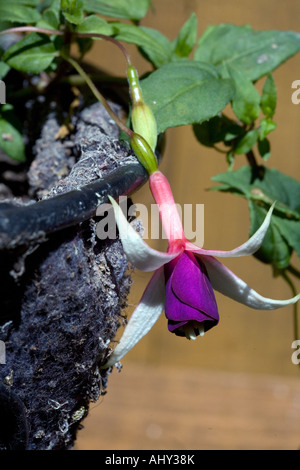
(150, 408)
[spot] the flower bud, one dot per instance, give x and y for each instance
(143, 152)
(143, 120)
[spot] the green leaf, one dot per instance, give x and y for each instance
(94, 24)
(289, 229)
(33, 54)
(19, 12)
(11, 141)
(127, 9)
(161, 51)
(185, 92)
(266, 126)
(4, 68)
(260, 191)
(245, 144)
(30, 3)
(217, 129)
(154, 45)
(49, 20)
(46, 4)
(51, 16)
(269, 97)
(246, 100)
(274, 250)
(264, 148)
(255, 53)
(187, 36)
(269, 186)
(230, 160)
(73, 10)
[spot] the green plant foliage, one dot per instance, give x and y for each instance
(73, 10)
(51, 15)
(269, 97)
(246, 100)
(129, 9)
(11, 141)
(185, 92)
(94, 24)
(218, 129)
(19, 11)
(186, 40)
(261, 187)
(264, 148)
(32, 54)
(253, 53)
(4, 68)
(154, 45)
(245, 144)
(190, 81)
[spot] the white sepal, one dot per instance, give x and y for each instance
(143, 318)
(227, 283)
(247, 248)
(136, 249)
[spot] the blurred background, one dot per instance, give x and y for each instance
(235, 388)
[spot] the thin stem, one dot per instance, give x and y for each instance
(98, 95)
(219, 150)
(24, 29)
(101, 78)
(57, 32)
(295, 306)
(251, 159)
(293, 271)
(78, 68)
(107, 38)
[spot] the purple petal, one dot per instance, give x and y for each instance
(189, 295)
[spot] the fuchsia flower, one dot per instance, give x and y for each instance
(190, 304)
(184, 277)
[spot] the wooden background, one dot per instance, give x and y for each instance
(235, 388)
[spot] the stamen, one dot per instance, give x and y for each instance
(201, 330)
(190, 333)
(192, 330)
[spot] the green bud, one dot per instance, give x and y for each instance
(144, 153)
(143, 120)
(134, 85)
(144, 124)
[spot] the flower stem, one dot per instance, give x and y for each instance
(293, 271)
(107, 38)
(295, 306)
(29, 29)
(98, 95)
(56, 32)
(78, 68)
(168, 210)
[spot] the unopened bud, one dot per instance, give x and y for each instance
(144, 153)
(144, 124)
(143, 120)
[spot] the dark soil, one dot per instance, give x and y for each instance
(63, 293)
